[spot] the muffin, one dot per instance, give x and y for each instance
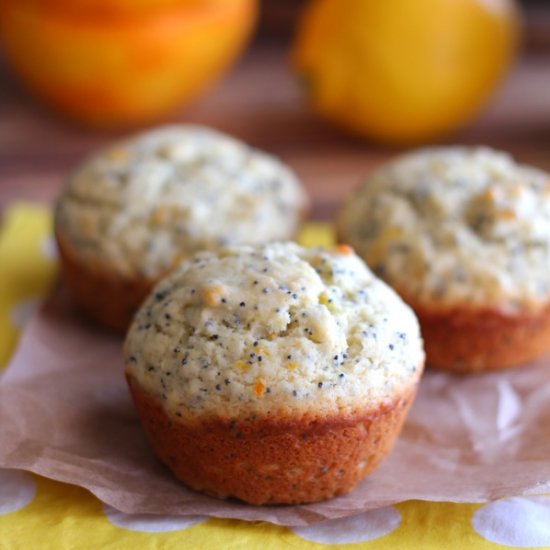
(130, 213)
(463, 235)
(273, 373)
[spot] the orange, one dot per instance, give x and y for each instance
(110, 8)
(402, 71)
(113, 69)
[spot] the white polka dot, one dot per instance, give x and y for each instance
(518, 521)
(22, 312)
(150, 523)
(362, 528)
(48, 248)
(17, 489)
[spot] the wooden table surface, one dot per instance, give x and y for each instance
(260, 102)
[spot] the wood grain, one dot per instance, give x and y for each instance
(261, 102)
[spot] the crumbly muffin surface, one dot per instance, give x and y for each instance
(141, 205)
(273, 329)
(455, 226)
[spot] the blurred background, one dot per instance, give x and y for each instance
(313, 90)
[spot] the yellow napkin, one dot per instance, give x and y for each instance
(40, 513)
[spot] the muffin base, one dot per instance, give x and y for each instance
(479, 340)
(273, 460)
(106, 297)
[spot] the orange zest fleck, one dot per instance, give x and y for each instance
(507, 214)
(178, 258)
(259, 389)
(159, 216)
(212, 295)
(344, 249)
(118, 155)
(489, 194)
(242, 366)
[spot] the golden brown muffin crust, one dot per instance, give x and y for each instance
(273, 460)
(109, 299)
(478, 340)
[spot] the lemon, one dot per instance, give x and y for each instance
(402, 71)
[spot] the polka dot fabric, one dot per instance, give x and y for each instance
(39, 513)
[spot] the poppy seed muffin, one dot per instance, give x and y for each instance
(130, 213)
(463, 234)
(273, 373)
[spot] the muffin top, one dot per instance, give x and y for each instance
(455, 226)
(273, 329)
(141, 205)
